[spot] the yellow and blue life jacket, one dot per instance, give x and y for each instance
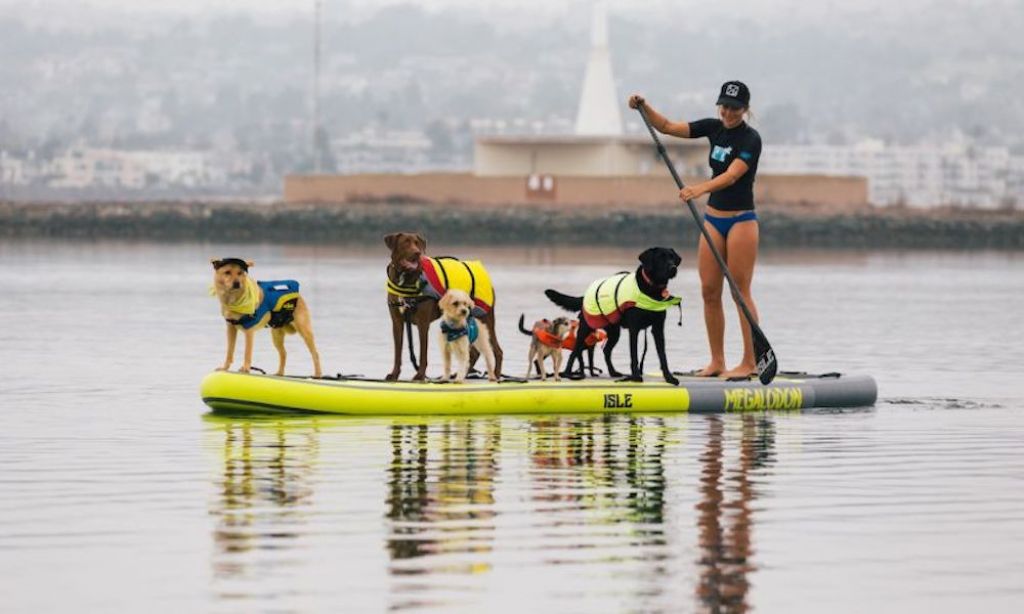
(279, 299)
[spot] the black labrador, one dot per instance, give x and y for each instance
(658, 265)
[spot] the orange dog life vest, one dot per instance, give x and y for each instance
(592, 339)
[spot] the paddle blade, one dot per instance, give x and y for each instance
(767, 365)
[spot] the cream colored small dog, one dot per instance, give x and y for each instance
(248, 305)
(459, 331)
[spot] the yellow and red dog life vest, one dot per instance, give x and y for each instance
(440, 274)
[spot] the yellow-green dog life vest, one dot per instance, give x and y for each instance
(607, 299)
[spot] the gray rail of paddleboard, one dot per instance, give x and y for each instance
(787, 392)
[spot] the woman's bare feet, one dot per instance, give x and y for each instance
(712, 370)
(739, 371)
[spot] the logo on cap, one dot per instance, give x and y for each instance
(732, 90)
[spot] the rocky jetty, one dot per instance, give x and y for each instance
(790, 227)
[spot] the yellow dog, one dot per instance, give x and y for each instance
(248, 305)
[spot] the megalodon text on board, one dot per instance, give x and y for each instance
(751, 399)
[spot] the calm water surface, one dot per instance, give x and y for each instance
(120, 492)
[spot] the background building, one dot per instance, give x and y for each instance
(919, 176)
(596, 165)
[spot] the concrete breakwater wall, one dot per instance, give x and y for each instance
(325, 224)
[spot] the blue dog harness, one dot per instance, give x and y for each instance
(470, 329)
(279, 299)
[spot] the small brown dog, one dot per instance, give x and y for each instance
(248, 305)
(459, 331)
(546, 339)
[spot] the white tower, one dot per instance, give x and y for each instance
(599, 105)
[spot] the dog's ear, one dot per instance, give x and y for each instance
(420, 241)
(445, 301)
(391, 240)
(250, 263)
(648, 256)
(214, 262)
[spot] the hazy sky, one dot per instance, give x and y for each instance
(758, 9)
(504, 14)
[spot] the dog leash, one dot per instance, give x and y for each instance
(407, 316)
(643, 356)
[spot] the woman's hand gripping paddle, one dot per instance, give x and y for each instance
(767, 365)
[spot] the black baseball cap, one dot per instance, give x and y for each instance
(226, 261)
(735, 94)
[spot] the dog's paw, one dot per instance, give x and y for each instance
(671, 379)
(391, 377)
(614, 373)
(631, 378)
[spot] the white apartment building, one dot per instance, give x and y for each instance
(84, 168)
(374, 150)
(918, 176)
(88, 167)
(12, 170)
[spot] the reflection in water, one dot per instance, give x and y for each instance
(569, 495)
(613, 463)
(724, 527)
(264, 487)
(441, 494)
(575, 494)
(592, 490)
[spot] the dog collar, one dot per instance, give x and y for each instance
(664, 289)
(649, 281)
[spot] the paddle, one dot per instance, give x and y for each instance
(766, 363)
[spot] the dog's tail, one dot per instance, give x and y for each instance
(522, 327)
(566, 302)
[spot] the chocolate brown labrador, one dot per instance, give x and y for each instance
(407, 248)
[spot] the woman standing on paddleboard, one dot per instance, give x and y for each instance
(729, 217)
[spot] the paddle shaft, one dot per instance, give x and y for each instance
(756, 333)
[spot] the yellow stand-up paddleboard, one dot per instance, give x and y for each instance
(227, 391)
